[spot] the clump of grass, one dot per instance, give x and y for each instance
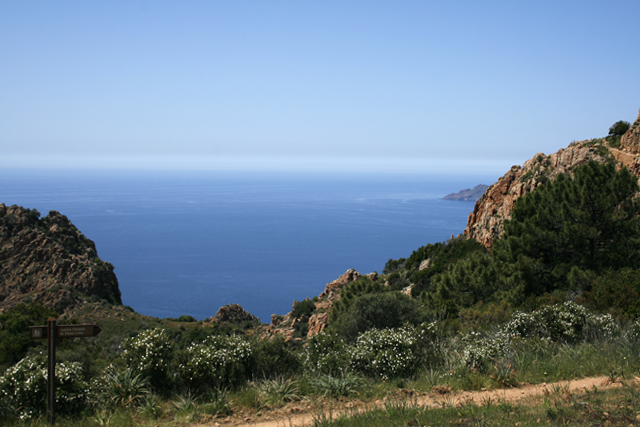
(345, 384)
(504, 373)
(186, 407)
(278, 391)
(125, 388)
(152, 408)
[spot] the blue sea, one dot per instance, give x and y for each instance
(191, 242)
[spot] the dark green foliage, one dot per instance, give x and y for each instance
(186, 318)
(617, 292)
(364, 285)
(589, 221)
(441, 256)
(619, 128)
(393, 265)
(274, 358)
(303, 309)
(464, 284)
(14, 331)
(397, 282)
(378, 310)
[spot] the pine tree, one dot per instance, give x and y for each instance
(589, 221)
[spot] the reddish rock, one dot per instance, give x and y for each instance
(234, 314)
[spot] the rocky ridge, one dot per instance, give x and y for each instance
(49, 261)
(486, 221)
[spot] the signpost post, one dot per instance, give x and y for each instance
(51, 331)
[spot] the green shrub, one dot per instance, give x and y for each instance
(14, 331)
(23, 388)
(326, 353)
(478, 350)
(273, 357)
(568, 322)
(303, 309)
(633, 334)
(617, 292)
(393, 265)
(149, 354)
(387, 353)
(217, 362)
(379, 311)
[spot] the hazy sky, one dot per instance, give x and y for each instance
(209, 83)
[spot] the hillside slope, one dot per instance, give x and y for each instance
(49, 261)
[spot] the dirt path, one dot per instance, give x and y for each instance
(299, 417)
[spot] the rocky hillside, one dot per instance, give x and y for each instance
(48, 260)
(486, 220)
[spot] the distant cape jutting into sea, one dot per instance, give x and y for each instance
(469, 194)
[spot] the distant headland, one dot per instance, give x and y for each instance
(469, 194)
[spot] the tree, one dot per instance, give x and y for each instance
(589, 221)
(619, 128)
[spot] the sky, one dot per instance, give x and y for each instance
(300, 84)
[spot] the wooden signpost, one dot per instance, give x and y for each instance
(51, 331)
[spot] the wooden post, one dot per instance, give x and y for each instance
(51, 368)
(51, 332)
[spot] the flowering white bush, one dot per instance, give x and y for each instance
(23, 387)
(633, 334)
(218, 361)
(432, 343)
(568, 322)
(326, 353)
(149, 354)
(387, 353)
(478, 349)
(600, 326)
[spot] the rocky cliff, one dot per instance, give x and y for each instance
(48, 260)
(490, 211)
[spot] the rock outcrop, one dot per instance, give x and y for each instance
(630, 141)
(486, 221)
(49, 261)
(287, 325)
(233, 314)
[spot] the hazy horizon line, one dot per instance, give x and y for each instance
(258, 163)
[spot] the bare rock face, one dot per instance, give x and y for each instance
(630, 141)
(486, 221)
(317, 323)
(48, 260)
(234, 314)
(332, 289)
